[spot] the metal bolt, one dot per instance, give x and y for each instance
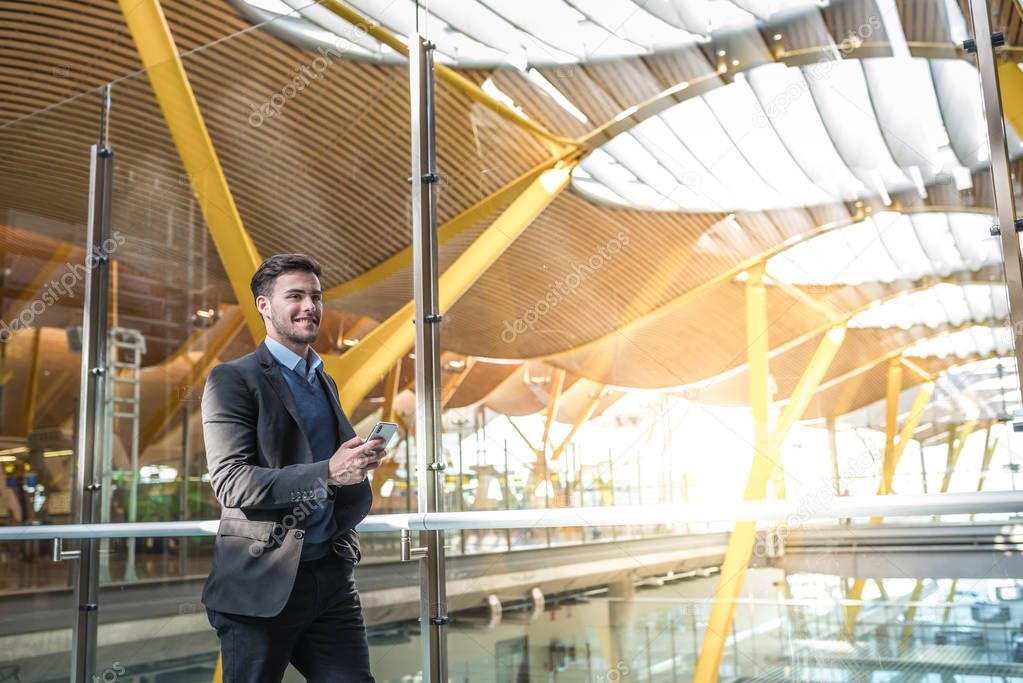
(970, 45)
(997, 39)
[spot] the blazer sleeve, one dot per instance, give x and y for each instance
(229, 417)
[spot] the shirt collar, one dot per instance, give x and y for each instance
(292, 360)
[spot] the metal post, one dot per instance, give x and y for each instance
(507, 493)
(433, 600)
(1001, 180)
(833, 451)
(186, 457)
(91, 408)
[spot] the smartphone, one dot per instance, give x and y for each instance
(385, 431)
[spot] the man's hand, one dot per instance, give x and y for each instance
(354, 459)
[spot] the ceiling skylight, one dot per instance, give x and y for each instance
(781, 136)
(943, 304)
(973, 341)
(888, 247)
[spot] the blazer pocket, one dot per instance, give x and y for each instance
(246, 528)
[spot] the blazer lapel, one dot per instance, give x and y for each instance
(273, 375)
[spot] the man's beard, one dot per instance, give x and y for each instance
(292, 335)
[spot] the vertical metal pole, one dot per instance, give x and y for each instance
(186, 465)
(433, 600)
(408, 473)
(1001, 180)
(507, 493)
(833, 450)
(90, 406)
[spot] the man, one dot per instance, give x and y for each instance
(290, 475)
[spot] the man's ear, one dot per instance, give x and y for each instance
(261, 303)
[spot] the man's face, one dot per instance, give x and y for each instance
(294, 308)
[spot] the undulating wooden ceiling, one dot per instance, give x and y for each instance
(328, 176)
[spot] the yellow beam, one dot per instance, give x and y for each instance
(950, 602)
(60, 257)
(361, 367)
(894, 388)
(907, 629)
(557, 386)
(916, 411)
(447, 75)
(582, 417)
(804, 391)
(179, 394)
(454, 227)
(1010, 79)
(852, 610)
(964, 432)
(391, 391)
(449, 389)
(28, 415)
(156, 47)
(989, 451)
(801, 397)
(740, 544)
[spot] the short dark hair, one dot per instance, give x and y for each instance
(263, 280)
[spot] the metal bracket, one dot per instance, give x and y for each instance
(1018, 224)
(436, 466)
(997, 40)
(433, 318)
(409, 553)
(440, 621)
(59, 554)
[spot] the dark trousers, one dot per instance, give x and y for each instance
(320, 631)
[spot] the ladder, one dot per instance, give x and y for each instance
(123, 399)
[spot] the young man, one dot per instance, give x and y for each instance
(290, 475)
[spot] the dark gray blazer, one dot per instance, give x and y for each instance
(263, 474)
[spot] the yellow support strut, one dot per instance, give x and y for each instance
(155, 44)
(362, 366)
(766, 448)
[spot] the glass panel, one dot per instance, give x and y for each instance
(314, 149)
(44, 204)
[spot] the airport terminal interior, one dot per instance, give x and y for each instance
(689, 254)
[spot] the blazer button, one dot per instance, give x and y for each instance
(300, 534)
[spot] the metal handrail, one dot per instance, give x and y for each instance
(790, 511)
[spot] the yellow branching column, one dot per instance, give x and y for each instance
(362, 366)
(766, 446)
(155, 45)
(894, 448)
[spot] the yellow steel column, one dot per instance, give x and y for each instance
(28, 415)
(767, 446)
(361, 367)
(907, 629)
(557, 385)
(450, 387)
(950, 602)
(916, 411)
(585, 415)
(740, 544)
(953, 456)
(891, 422)
(156, 47)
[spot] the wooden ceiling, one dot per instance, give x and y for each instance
(328, 176)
